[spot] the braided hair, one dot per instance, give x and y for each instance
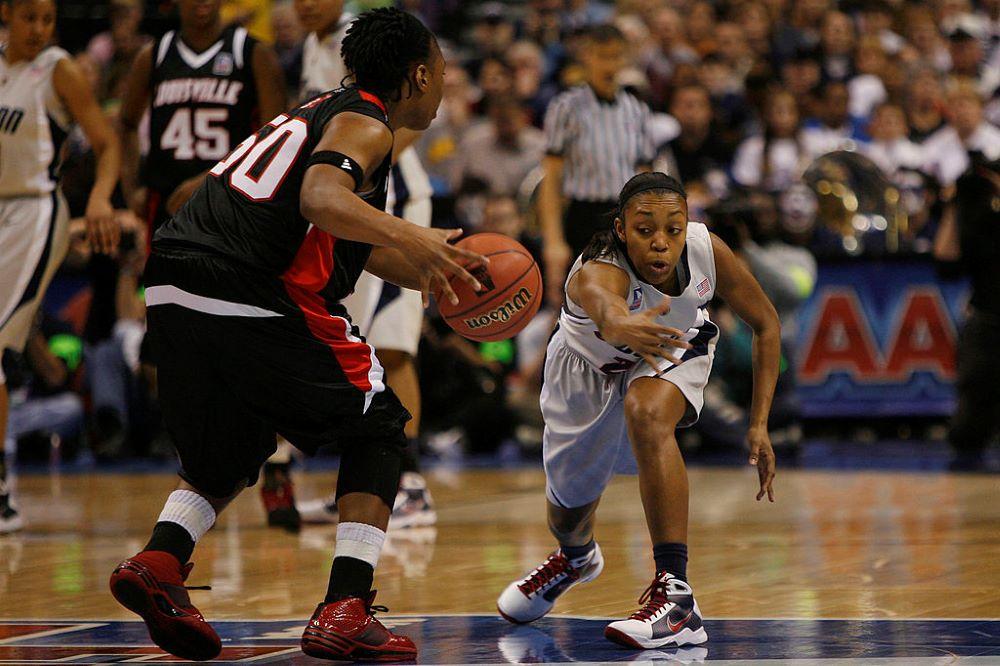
(605, 243)
(381, 47)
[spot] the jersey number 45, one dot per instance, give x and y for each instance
(197, 133)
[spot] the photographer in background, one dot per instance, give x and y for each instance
(749, 224)
(968, 242)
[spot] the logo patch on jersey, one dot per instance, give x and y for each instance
(636, 299)
(223, 65)
(704, 287)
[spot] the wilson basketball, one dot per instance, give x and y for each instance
(510, 296)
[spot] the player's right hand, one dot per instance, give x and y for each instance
(436, 261)
(641, 333)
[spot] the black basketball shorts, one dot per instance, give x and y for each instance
(240, 359)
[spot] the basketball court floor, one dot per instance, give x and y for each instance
(846, 567)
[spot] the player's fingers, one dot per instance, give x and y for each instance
(446, 291)
(452, 234)
(465, 276)
(468, 257)
(671, 341)
(649, 359)
(754, 449)
(663, 307)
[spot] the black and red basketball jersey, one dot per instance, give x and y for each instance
(202, 105)
(248, 208)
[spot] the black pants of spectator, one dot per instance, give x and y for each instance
(977, 416)
(585, 218)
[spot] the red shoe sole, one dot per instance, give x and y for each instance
(621, 638)
(325, 645)
(130, 587)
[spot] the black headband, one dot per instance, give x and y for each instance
(644, 182)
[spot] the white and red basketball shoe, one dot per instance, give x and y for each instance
(669, 616)
(533, 596)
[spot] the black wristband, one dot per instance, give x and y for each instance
(341, 161)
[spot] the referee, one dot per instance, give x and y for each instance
(597, 137)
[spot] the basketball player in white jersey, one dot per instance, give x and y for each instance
(42, 93)
(389, 317)
(628, 364)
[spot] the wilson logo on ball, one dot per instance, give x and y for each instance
(504, 312)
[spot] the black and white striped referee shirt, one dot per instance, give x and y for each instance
(602, 143)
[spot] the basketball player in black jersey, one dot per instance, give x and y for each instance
(243, 289)
(207, 88)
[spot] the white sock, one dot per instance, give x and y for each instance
(360, 541)
(189, 510)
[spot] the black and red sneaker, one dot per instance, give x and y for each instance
(151, 584)
(278, 495)
(346, 629)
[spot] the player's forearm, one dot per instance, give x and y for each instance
(605, 309)
(130, 158)
(392, 266)
(766, 365)
(341, 213)
(108, 168)
(550, 209)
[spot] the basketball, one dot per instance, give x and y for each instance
(510, 296)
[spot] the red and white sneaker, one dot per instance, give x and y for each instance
(278, 495)
(533, 596)
(669, 616)
(151, 584)
(347, 630)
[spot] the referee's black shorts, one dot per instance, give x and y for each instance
(229, 383)
(585, 218)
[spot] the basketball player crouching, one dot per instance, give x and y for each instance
(628, 363)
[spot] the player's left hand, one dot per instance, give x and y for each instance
(102, 230)
(762, 457)
(184, 191)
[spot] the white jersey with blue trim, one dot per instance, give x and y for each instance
(688, 311)
(33, 125)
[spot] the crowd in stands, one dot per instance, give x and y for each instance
(746, 98)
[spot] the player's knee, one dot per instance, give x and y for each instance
(648, 414)
(372, 468)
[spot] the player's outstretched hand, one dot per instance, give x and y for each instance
(435, 260)
(762, 457)
(102, 229)
(642, 334)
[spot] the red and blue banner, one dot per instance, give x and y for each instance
(878, 339)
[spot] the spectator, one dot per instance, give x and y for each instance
(701, 26)
(288, 36)
(876, 21)
(696, 154)
(837, 46)
(924, 105)
(966, 34)
(928, 46)
(530, 78)
(890, 149)
(671, 49)
(597, 136)
(496, 80)
(113, 51)
(756, 23)
(947, 151)
(776, 159)
(800, 75)
(833, 128)
(502, 151)
(867, 89)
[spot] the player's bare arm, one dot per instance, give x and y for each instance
(71, 86)
(741, 291)
(391, 265)
(557, 252)
(601, 289)
(329, 201)
(134, 103)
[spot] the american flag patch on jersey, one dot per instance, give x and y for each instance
(704, 287)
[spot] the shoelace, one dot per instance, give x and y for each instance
(380, 609)
(554, 565)
(652, 600)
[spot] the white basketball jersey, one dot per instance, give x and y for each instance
(33, 125)
(688, 311)
(322, 66)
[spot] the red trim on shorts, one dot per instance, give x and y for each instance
(369, 97)
(309, 273)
